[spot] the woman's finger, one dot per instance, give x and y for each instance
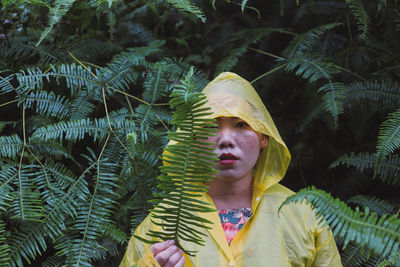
(164, 255)
(158, 247)
(173, 259)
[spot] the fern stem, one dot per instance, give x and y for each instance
(165, 126)
(92, 200)
(269, 72)
(352, 73)
(108, 117)
(44, 170)
(9, 102)
(266, 53)
(131, 96)
(83, 65)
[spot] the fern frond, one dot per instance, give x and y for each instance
(5, 84)
(381, 235)
(7, 175)
(305, 42)
(246, 37)
(361, 17)
(4, 248)
(312, 67)
(187, 166)
(355, 256)
(82, 106)
(155, 86)
(54, 261)
(32, 240)
(10, 146)
(94, 213)
(147, 117)
(48, 104)
(56, 12)
(186, 6)
(385, 94)
(388, 170)
(229, 62)
(388, 138)
(374, 204)
(26, 204)
(49, 148)
(77, 129)
(333, 97)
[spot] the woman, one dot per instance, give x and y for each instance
(247, 229)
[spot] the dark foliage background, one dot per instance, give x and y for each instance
(328, 72)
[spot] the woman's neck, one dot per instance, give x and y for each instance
(231, 194)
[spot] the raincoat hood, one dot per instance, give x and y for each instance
(232, 96)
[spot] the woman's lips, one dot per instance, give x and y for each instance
(227, 159)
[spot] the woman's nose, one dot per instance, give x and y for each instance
(225, 138)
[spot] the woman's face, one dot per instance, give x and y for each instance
(238, 147)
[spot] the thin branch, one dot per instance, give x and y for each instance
(269, 72)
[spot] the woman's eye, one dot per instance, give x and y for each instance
(242, 124)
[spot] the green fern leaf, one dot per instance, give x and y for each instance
(333, 97)
(10, 146)
(188, 166)
(388, 170)
(4, 248)
(5, 84)
(94, 213)
(304, 43)
(186, 6)
(385, 94)
(26, 204)
(381, 235)
(60, 8)
(48, 104)
(361, 16)
(374, 204)
(388, 138)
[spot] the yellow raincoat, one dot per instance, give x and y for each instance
(291, 238)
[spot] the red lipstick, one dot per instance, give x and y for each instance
(227, 159)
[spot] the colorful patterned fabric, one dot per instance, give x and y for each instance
(233, 220)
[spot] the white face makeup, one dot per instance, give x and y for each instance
(238, 147)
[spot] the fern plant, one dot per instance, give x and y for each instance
(383, 236)
(188, 165)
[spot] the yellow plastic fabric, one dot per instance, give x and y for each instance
(292, 238)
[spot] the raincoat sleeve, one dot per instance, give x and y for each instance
(138, 252)
(327, 253)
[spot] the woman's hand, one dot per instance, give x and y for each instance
(168, 254)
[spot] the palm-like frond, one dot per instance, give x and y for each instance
(26, 204)
(5, 83)
(60, 8)
(381, 235)
(388, 138)
(95, 212)
(83, 105)
(361, 17)
(333, 97)
(188, 164)
(374, 204)
(355, 256)
(305, 42)
(10, 146)
(48, 104)
(312, 67)
(388, 171)
(384, 94)
(186, 6)
(4, 248)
